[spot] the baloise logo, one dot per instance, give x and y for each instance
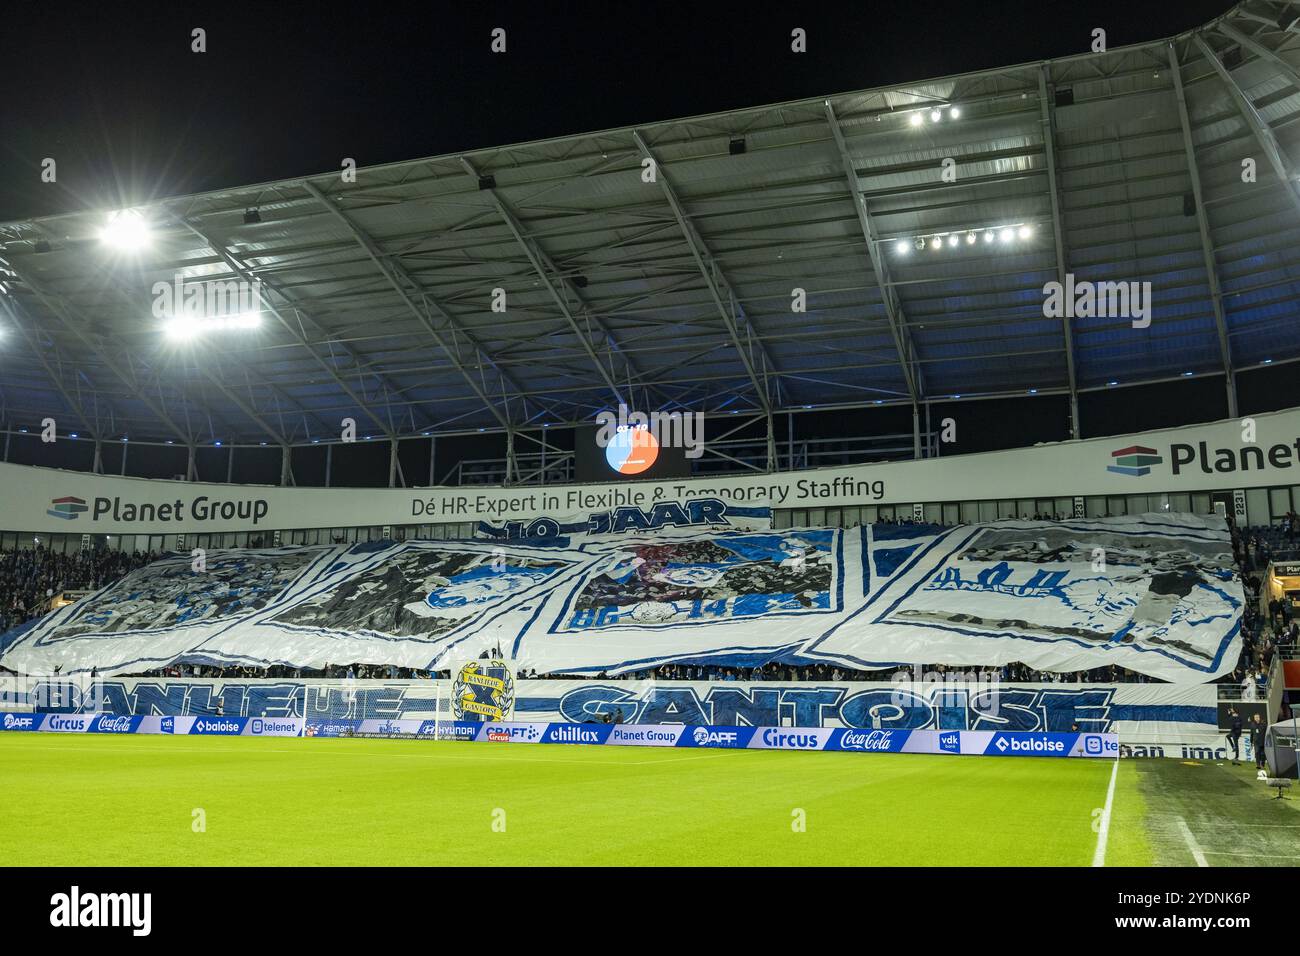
(67, 507)
(1134, 461)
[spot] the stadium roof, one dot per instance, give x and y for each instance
(677, 293)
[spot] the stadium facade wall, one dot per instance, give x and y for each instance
(1153, 719)
(1215, 457)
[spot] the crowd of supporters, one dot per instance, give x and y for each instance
(30, 577)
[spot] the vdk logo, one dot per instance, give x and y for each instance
(67, 507)
(950, 742)
(1134, 461)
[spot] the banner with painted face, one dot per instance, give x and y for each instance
(1155, 593)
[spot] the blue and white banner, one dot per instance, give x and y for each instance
(1139, 713)
(1155, 594)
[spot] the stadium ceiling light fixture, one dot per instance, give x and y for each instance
(184, 327)
(126, 230)
(252, 217)
(916, 119)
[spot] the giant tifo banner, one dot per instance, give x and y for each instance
(1234, 454)
(1153, 593)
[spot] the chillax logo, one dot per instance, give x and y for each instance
(67, 507)
(1134, 461)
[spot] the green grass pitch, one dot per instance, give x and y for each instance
(78, 800)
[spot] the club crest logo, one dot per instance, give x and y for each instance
(483, 690)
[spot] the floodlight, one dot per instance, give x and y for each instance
(125, 230)
(1006, 235)
(1025, 232)
(917, 119)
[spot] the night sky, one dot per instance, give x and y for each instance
(113, 93)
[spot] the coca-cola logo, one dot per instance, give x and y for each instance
(114, 725)
(871, 740)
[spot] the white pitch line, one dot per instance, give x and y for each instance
(1192, 845)
(1103, 831)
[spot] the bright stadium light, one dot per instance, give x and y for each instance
(936, 243)
(902, 247)
(988, 235)
(970, 238)
(125, 230)
(1025, 232)
(935, 116)
(952, 240)
(917, 119)
(954, 113)
(1006, 235)
(185, 327)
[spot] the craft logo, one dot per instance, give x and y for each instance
(67, 507)
(1134, 461)
(484, 690)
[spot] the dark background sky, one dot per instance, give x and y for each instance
(113, 93)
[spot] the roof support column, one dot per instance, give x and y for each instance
(1202, 224)
(1267, 141)
(1049, 147)
(724, 298)
(880, 270)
